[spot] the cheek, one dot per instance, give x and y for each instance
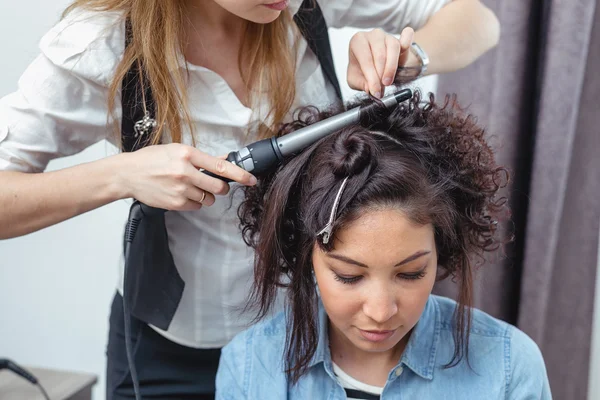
(341, 301)
(415, 296)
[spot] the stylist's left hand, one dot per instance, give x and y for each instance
(374, 59)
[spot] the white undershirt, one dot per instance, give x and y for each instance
(349, 382)
(60, 109)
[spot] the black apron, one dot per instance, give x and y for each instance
(153, 286)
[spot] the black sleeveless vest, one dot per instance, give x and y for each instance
(153, 286)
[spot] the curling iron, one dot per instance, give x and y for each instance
(260, 157)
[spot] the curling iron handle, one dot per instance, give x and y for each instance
(256, 158)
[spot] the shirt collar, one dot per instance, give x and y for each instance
(322, 354)
(420, 351)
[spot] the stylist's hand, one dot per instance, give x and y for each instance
(374, 59)
(168, 176)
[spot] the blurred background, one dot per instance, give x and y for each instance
(56, 285)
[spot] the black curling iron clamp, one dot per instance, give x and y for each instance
(260, 157)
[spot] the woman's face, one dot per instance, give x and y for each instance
(258, 11)
(376, 280)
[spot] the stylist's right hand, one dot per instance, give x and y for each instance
(168, 177)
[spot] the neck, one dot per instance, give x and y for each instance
(207, 16)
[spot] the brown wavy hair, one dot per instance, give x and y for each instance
(158, 41)
(432, 161)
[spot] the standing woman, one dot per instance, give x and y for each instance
(219, 74)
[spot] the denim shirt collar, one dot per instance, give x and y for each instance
(420, 352)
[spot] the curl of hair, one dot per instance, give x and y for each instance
(430, 160)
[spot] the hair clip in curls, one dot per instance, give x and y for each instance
(326, 232)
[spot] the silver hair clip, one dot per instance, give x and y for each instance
(326, 232)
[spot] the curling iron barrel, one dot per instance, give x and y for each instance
(260, 157)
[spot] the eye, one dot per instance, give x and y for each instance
(347, 280)
(413, 276)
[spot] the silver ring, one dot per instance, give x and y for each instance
(203, 196)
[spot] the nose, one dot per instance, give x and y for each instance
(380, 305)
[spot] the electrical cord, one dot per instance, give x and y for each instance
(137, 212)
(39, 385)
(135, 216)
(22, 372)
(128, 344)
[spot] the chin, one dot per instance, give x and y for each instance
(376, 347)
(266, 18)
(262, 15)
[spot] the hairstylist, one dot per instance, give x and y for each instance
(215, 68)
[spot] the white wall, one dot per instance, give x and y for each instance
(56, 285)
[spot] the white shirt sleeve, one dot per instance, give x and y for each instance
(61, 105)
(390, 15)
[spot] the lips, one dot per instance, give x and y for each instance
(282, 5)
(376, 336)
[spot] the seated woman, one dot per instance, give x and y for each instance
(358, 228)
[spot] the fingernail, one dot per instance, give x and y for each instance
(387, 81)
(252, 180)
(377, 94)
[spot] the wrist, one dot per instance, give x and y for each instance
(119, 186)
(415, 63)
(412, 61)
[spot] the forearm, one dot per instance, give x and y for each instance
(29, 202)
(457, 35)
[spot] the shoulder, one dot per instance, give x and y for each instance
(482, 323)
(503, 348)
(88, 43)
(269, 329)
(262, 340)
(253, 360)
(527, 375)
(523, 348)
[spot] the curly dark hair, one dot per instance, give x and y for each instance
(431, 161)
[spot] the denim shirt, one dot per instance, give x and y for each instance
(504, 363)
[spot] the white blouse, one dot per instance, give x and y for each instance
(60, 108)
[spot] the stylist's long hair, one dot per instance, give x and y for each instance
(431, 161)
(159, 40)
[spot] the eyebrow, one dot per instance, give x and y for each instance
(415, 256)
